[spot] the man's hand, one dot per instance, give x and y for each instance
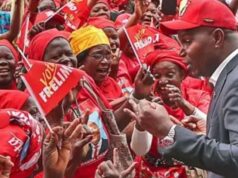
(195, 124)
(151, 117)
(5, 166)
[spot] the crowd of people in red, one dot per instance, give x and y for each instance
(131, 115)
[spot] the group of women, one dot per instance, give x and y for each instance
(100, 51)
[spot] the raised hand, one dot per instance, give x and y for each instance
(5, 166)
(174, 95)
(57, 149)
(80, 147)
(141, 6)
(151, 117)
(109, 169)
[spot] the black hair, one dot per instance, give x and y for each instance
(81, 57)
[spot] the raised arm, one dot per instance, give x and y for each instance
(15, 22)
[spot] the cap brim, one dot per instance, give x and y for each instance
(172, 27)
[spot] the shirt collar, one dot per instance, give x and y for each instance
(216, 74)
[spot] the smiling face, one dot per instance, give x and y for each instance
(152, 12)
(7, 67)
(98, 62)
(59, 51)
(113, 37)
(165, 73)
(198, 49)
(100, 10)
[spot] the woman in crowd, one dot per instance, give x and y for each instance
(101, 9)
(21, 140)
(94, 53)
(8, 59)
(52, 46)
(169, 70)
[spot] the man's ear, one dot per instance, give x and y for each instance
(218, 37)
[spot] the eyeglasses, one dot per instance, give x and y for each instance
(100, 57)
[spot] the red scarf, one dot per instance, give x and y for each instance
(12, 99)
(21, 139)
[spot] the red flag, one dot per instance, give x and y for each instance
(49, 83)
(142, 39)
(76, 13)
(116, 3)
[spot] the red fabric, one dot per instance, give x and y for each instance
(49, 83)
(198, 13)
(199, 99)
(23, 40)
(121, 20)
(12, 99)
(40, 42)
(57, 3)
(7, 44)
(84, 95)
(86, 101)
(132, 66)
(76, 14)
(104, 1)
(100, 22)
(143, 39)
(44, 15)
(165, 55)
(110, 89)
(145, 170)
(196, 83)
(21, 133)
(166, 42)
(124, 79)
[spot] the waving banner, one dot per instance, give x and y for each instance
(49, 83)
(142, 39)
(75, 13)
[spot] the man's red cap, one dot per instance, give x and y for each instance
(201, 13)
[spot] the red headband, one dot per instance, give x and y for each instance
(40, 42)
(165, 55)
(7, 44)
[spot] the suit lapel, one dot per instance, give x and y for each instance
(218, 88)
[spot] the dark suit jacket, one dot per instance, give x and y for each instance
(218, 151)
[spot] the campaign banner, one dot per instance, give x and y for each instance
(49, 83)
(142, 39)
(74, 13)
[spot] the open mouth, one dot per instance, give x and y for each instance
(146, 21)
(114, 47)
(103, 71)
(4, 71)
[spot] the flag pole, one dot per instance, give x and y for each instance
(37, 103)
(133, 48)
(26, 62)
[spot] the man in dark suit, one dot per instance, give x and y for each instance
(207, 32)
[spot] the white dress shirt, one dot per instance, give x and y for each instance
(216, 74)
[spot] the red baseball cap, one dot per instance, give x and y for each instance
(198, 13)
